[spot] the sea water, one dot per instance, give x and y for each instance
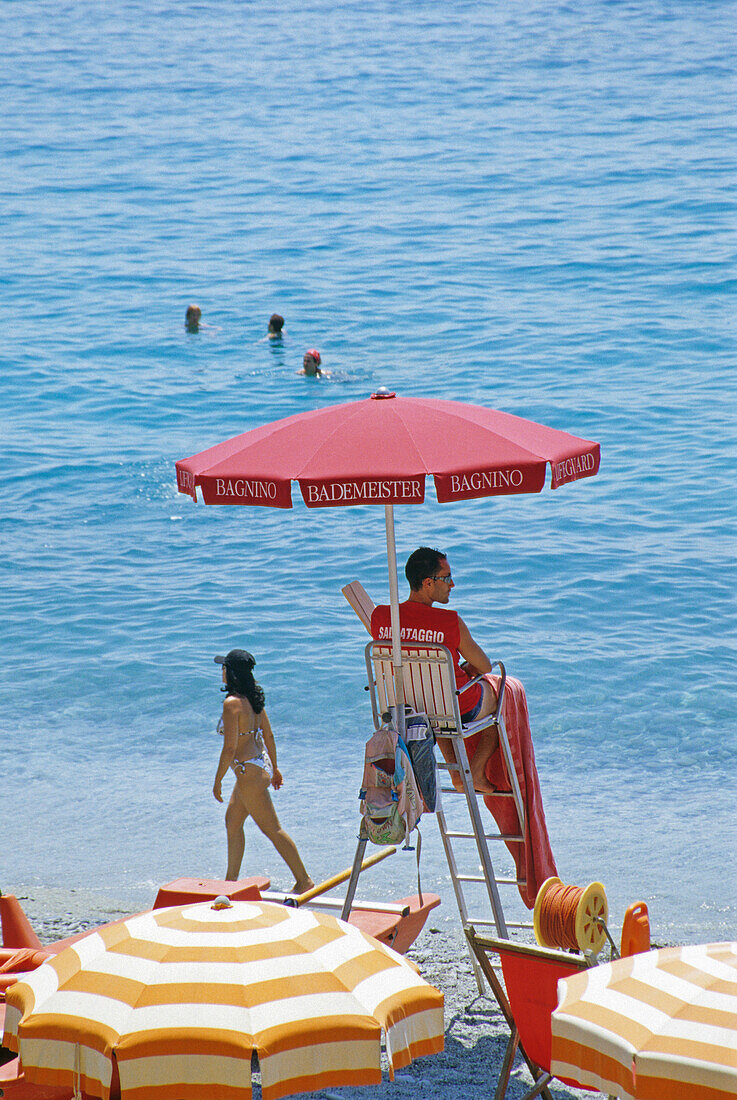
(530, 207)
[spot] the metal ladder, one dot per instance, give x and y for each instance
(429, 687)
(487, 877)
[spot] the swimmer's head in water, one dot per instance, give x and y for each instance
(276, 324)
(192, 317)
(311, 362)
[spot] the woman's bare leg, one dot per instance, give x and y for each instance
(235, 819)
(254, 791)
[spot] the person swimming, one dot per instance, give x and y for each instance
(193, 321)
(311, 363)
(192, 318)
(276, 324)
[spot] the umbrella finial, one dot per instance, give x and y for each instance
(382, 394)
(222, 902)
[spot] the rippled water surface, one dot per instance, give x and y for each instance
(526, 206)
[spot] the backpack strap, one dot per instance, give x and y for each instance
(419, 849)
(407, 847)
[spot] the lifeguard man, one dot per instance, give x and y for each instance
(430, 582)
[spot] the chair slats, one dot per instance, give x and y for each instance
(428, 686)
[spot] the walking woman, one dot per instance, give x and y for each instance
(249, 749)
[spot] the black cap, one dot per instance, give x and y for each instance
(237, 657)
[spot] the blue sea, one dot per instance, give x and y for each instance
(526, 206)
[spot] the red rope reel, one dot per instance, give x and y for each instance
(570, 917)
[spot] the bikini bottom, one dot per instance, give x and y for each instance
(261, 761)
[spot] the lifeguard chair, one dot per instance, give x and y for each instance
(430, 688)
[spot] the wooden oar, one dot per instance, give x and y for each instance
(328, 884)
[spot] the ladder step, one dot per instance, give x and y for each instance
(498, 881)
(502, 881)
(497, 794)
(494, 836)
(472, 836)
(443, 765)
(507, 838)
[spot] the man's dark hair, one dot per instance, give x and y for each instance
(276, 322)
(422, 563)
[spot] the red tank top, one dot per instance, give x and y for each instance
(422, 624)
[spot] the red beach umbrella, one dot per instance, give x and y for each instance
(380, 451)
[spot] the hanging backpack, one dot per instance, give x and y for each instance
(391, 803)
(420, 740)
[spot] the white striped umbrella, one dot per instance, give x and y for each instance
(175, 1001)
(655, 1026)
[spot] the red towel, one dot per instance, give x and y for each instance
(533, 859)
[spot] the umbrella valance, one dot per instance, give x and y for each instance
(380, 451)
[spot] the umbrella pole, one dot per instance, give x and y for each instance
(391, 556)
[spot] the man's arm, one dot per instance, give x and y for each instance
(472, 652)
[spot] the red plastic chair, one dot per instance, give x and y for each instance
(527, 1000)
(16, 927)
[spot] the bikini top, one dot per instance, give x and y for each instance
(257, 734)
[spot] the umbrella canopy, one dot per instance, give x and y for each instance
(380, 450)
(654, 1026)
(177, 1000)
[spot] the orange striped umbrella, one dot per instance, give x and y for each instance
(656, 1026)
(173, 1002)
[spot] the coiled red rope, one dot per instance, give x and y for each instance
(557, 915)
